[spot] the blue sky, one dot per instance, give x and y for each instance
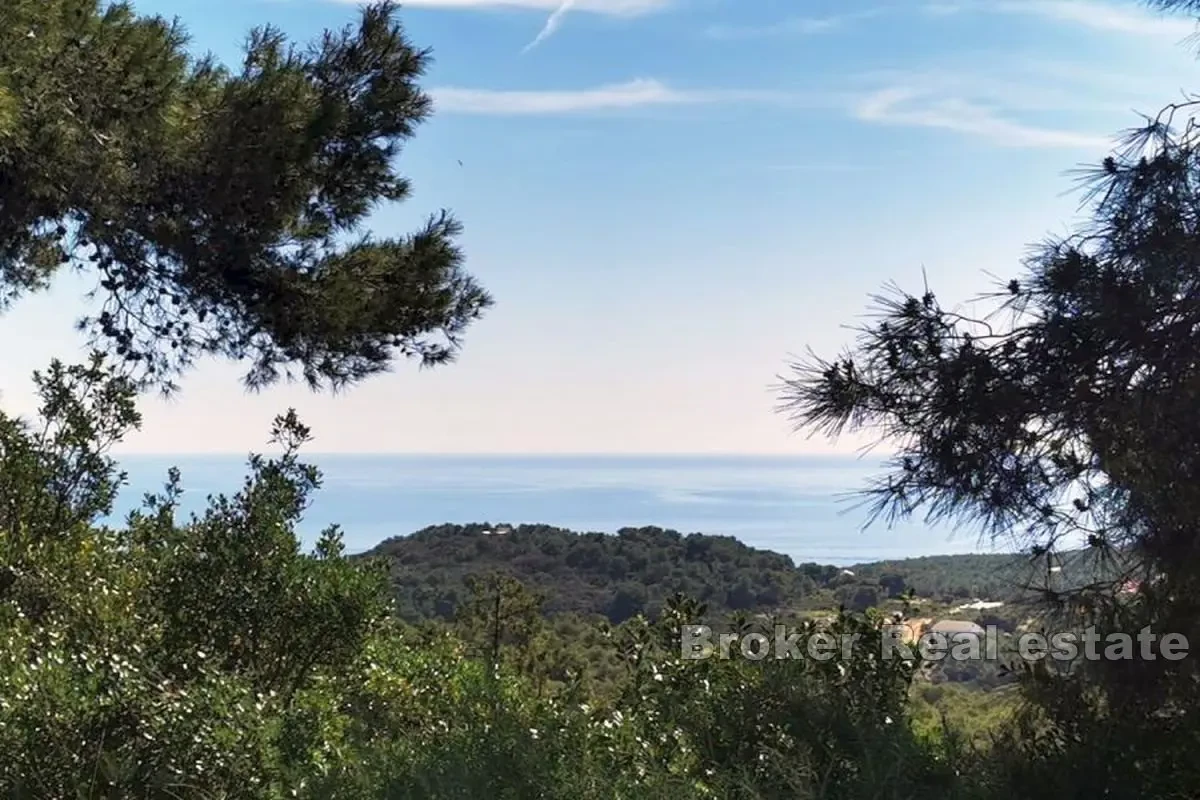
(667, 197)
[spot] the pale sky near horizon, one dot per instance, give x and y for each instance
(669, 197)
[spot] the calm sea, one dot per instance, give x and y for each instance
(793, 505)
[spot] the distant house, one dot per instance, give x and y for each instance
(978, 605)
(952, 628)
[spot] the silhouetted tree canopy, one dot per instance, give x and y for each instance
(221, 209)
(1069, 414)
(1176, 5)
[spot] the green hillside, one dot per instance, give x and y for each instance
(617, 576)
(637, 569)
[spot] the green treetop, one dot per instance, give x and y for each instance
(221, 209)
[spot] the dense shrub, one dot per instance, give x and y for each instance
(209, 657)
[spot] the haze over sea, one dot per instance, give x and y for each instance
(799, 506)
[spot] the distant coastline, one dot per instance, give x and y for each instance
(800, 506)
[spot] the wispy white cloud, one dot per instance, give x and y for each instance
(639, 93)
(1024, 87)
(558, 10)
(553, 23)
(632, 94)
(996, 114)
(1099, 15)
(910, 107)
(1126, 18)
(615, 8)
(792, 26)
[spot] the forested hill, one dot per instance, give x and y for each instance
(990, 576)
(614, 575)
(637, 569)
(993, 576)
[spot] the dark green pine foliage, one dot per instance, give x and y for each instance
(1190, 6)
(221, 209)
(1067, 417)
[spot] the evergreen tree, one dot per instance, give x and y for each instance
(221, 209)
(1066, 419)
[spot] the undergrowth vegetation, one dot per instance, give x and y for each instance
(210, 657)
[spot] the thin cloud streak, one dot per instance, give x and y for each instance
(1021, 87)
(895, 105)
(1105, 17)
(632, 94)
(911, 108)
(638, 93)
(553, 23)
(611, 8)
(1101, 16)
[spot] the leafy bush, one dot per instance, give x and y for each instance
(209, 657)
